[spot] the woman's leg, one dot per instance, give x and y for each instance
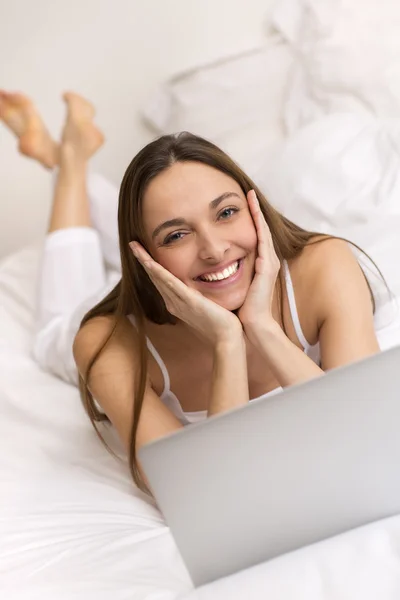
(82, 199)
(72, 277)
(20, 115)
(73, 274)
(80, 140)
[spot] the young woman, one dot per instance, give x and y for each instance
(220, 300)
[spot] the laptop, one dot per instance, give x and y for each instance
(283, 472)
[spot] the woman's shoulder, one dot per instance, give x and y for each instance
(324, 271)
(116, 336)
(321, 250)
(322, 260)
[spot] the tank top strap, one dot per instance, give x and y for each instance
(158, 359)
(293, 308)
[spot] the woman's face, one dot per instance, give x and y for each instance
(198, 226)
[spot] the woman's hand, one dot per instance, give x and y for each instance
(211, 321)
(256, 311)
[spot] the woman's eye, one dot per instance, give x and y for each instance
(227, 212)
(173, 237)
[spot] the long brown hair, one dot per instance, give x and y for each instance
(135, 294)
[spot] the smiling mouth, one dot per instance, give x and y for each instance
(221, 275)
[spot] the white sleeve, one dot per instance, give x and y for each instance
(72, 280)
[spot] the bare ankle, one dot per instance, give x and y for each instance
(51, 158)
(71, 157)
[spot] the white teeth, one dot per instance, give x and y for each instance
(222, 274)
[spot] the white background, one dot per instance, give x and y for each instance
(115, 52)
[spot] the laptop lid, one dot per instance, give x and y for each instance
(283, 472)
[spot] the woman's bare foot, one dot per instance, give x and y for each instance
(80, 136)
(19, 114)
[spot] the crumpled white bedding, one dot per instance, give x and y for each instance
(345, 58)
(341, 175)
(236, 102)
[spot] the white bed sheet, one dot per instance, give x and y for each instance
(72, 525)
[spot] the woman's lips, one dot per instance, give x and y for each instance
(221, 283)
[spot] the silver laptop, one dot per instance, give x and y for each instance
(280, 473)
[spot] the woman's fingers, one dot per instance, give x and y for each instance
(163, 278)
(266, 249)
(205, 316)
(260, 224)
(139, 252)
(165, 282)
(148, 264)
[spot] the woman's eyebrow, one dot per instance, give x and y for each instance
(215, 203)
(166, 225)
(179, 221)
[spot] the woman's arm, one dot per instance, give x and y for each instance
(112, 381)
(340, 301)
(289, 364)
(342, 304)
(229, 384)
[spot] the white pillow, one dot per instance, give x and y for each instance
(346, 57)
(236, 103)
(341, 175)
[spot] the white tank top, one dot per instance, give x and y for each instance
(172, 402)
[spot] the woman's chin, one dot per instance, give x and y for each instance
(231, 302)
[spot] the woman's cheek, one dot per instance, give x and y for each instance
(175, 263)
(248, 235)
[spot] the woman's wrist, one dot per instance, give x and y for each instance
(229, 386)
(289, 363)
(231, 341)
(262, 332)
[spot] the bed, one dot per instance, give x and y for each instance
(324, 145)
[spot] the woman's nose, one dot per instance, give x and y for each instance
(212, 248)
